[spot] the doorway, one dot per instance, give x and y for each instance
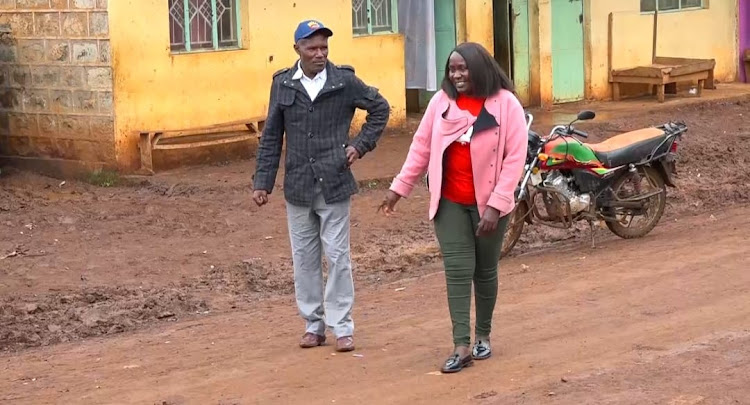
(501, 24)
(567, 51)
(511, 36)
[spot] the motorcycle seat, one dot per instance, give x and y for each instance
(630, 147)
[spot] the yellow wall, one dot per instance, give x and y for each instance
(479, 25)
(474, 23)
(535, 76)
(154, 89)
(460, 21)
(544, 34)
(706, 33)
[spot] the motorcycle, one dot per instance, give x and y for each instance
(621, 181)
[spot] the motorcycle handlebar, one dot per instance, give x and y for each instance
(561, 130)
(580, 133)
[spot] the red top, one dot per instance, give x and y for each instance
(458, 178)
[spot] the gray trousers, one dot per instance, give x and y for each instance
(312, 230)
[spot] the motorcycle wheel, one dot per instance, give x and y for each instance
(654, 208)
(514, 229)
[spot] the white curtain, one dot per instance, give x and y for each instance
(416, 21)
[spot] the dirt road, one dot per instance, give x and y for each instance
(658, 320)
(94, 281)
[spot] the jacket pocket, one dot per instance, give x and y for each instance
(286, 98)
(340, 160)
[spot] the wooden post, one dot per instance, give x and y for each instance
(615, 91)
(656, 25)
(610, 44)
(710, 83)
(144, 143)
(660, 92)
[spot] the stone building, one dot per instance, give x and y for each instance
(56, 84)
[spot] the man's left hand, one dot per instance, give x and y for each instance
(351, 154)
(488, 223)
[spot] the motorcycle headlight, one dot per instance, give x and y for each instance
(535, 141)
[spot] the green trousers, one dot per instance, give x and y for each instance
(468, 259)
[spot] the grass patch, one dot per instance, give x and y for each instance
(104, 178)
(375, 184)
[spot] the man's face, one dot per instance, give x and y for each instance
(313, 52)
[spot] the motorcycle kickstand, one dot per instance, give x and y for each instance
(593, 240)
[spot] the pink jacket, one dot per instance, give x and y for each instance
(497, 154)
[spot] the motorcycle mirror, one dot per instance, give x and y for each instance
(586, 115)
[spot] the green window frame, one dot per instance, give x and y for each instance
(649, 6)
(371, 17)
(204, 25)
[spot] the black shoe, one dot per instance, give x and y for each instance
(481, 350)
(455, 363)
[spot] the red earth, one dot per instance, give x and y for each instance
(177, 289)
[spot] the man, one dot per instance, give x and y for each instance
(313, 102)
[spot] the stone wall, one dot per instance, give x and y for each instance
(56, 82)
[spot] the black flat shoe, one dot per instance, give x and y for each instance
(481, 350)
(455, 363)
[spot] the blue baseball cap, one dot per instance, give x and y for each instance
(308, 27)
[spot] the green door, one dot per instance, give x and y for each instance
(445, 40)
(445, 33)
(521, 59)
(567, 50)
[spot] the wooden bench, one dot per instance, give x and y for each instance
(665, 71)
(662, 72)
(210, 135)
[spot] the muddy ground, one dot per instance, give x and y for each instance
(79, 260)
(658, 320)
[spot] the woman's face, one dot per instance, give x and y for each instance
(458, 73)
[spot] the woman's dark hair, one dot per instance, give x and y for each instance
(487, 77)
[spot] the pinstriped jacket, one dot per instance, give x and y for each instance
(317, 133)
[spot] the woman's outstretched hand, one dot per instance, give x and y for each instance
(388, 206)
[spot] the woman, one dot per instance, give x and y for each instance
(472, 144)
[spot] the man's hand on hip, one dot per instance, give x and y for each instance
(351, 154)
(260, 197)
